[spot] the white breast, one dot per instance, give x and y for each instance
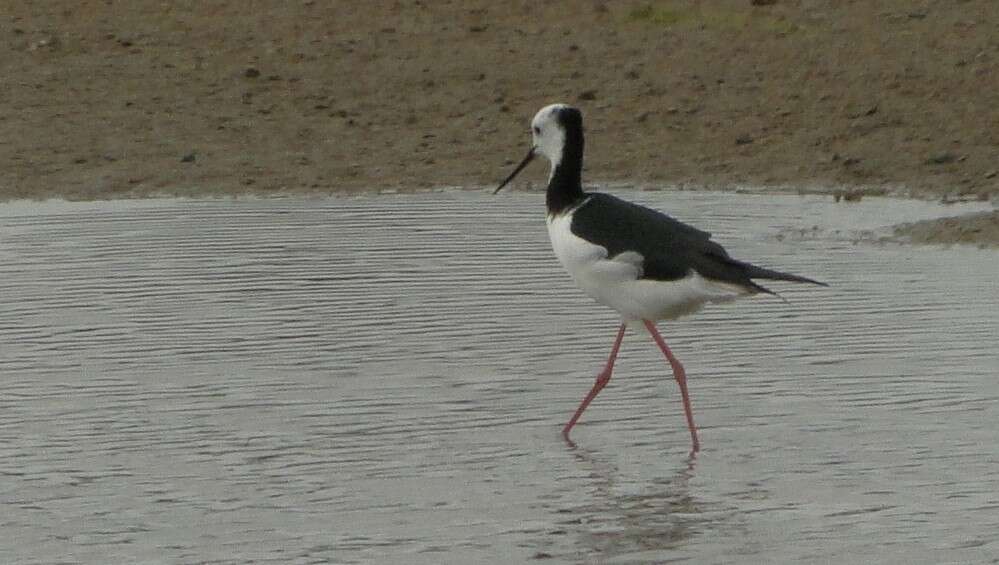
(616, 281)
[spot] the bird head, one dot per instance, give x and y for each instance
(549, 132)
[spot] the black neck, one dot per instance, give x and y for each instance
(565, 188)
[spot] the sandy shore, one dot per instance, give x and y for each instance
(144, 98)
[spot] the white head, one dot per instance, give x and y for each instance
(548, 133)
(551, 128)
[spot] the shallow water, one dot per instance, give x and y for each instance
(383, 379)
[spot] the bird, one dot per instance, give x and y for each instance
(642, 263)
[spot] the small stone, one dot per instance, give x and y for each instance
(869, 111)
(991, 174)
(47, 43)
(588, 95)
(941, 158)
(189, 158)
(542, 555)
(251, 72)
(744, 139)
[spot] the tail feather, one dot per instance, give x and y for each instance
(742, 273)
(755, 272)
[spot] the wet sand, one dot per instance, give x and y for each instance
(382, 380)
(977, 229)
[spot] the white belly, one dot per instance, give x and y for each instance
(616, 281)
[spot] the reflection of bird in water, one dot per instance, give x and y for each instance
(617, 520)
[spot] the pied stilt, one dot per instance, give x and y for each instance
(642, 263)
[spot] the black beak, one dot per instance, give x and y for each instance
(520, 167)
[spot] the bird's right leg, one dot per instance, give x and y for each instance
(602, 379)
(681, 379)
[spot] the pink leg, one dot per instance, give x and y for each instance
(681, 379)
(602, 379)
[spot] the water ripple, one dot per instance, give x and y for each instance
(382, 379)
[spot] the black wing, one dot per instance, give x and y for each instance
(671, 249)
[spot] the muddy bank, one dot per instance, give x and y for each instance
(978, 229)
(145, 98)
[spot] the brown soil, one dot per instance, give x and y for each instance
(108, 99)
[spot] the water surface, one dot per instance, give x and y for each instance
(382, 379)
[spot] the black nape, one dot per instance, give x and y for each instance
(565, 188)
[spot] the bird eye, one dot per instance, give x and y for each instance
(537, 130)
